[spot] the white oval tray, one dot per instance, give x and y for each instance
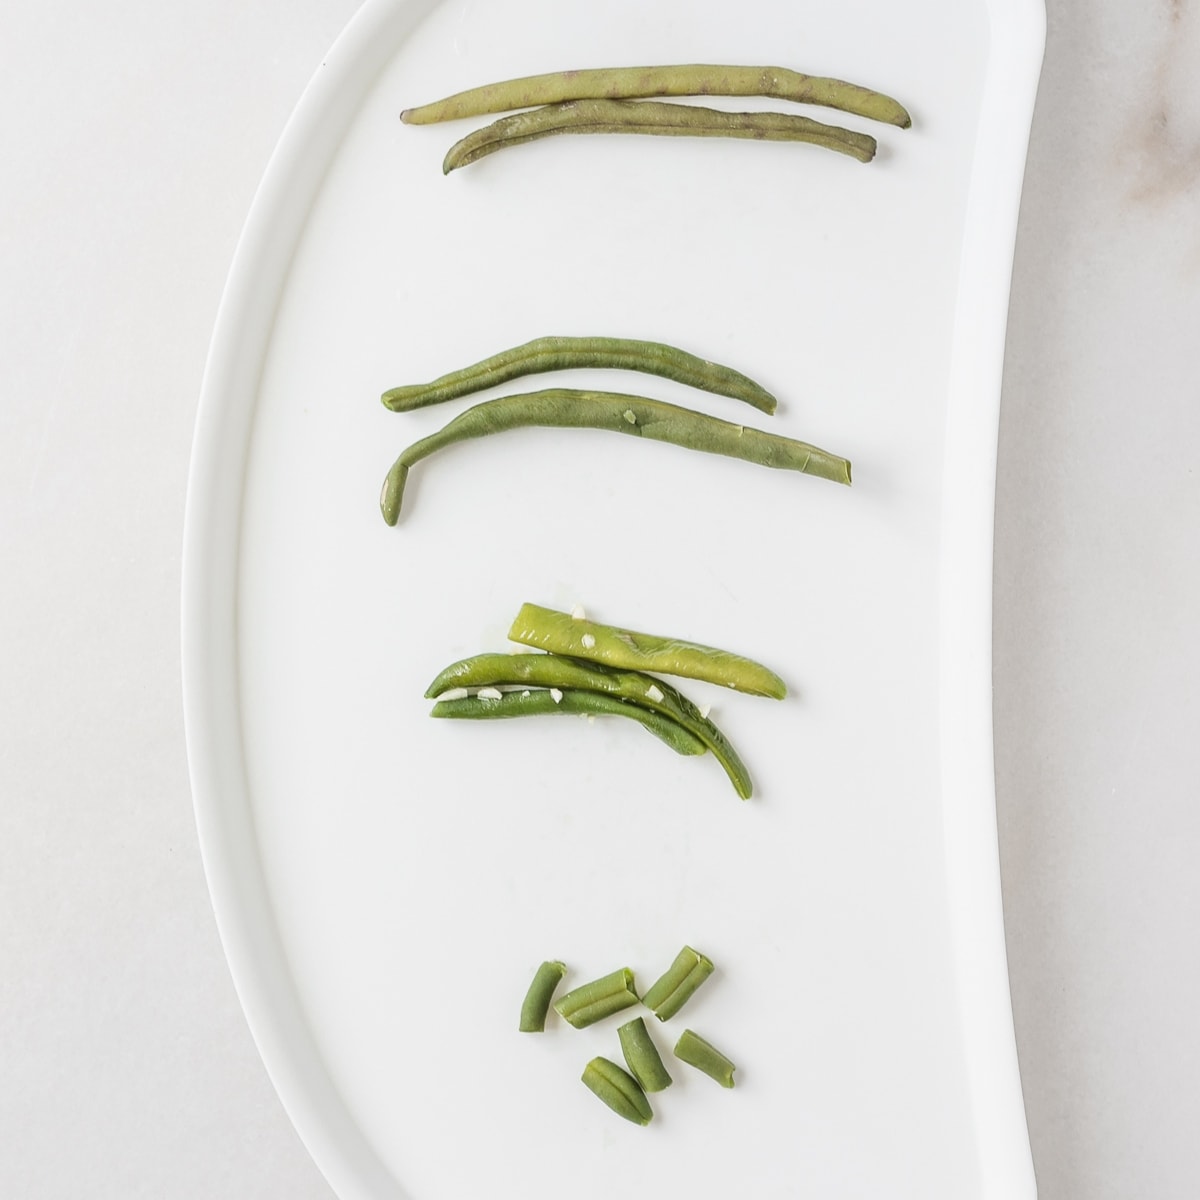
(385, 884)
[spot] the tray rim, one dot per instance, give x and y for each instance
(226, 834)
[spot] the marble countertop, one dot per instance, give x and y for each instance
(132, 139)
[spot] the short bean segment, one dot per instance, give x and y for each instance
(561, 633)
(672, 991)
(556, 671)
(692, 79)
(592, 1002)
(654, 119)
(619, 1090)
(537, 1000)
(573, 353)
(569, 701)
(635, 416)
(642, 1057)
(696, 1052)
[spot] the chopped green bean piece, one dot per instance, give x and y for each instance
(542, 702)
(537, 999)
(698, 1053)
(619, 1090)
(561, 633)
(556, 671)
(632, 83)
(573, 353)
(642, 1057)
(566, 408)
(656, 119)
(592, 1002)
(671, 992)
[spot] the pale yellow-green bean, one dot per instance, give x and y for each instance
(654, 119)
(683, 79)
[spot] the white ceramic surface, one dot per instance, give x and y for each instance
(384, 885)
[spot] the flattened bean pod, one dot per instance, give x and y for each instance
(554, 671)
(619, 1090)
(630, 83)
(542, 702)
(561, 633)
(615, 412)
(572, 353)
(655, 119)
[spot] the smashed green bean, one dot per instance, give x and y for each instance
(537, 1000)
(655, 119)
(562, 633)
(575, 701)
(696, 1052)
(555, 671)
(619, 1090)
(636, 416)
(668, 994)
(573, 353)
(642, 1056)
(592, 1002)
(630, 83)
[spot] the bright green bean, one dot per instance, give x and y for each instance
(540, 702)
(617, 413)
(555, 671)
(619, 1090)
(537, 999)
(696, 1052)
(642, 1056)
(561, 633)
(630, 83)
(672, 991)
(656, 119)
(572, 353)
(592, 1002)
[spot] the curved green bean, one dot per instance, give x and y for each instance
(652, 118)
(571, 353)
(668, 994)
(555, 671)
(619, 1090)
(542, 702)
(642, 1056)
(617, 413)
(561, 633)
(592, 1002)
(696, 1052)
(630, 83)
(537, 999)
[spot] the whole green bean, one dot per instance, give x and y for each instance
(561, 633)
(592, 1002)
(555, 671)
(537, 999)
(541, 702)
(572, 353)
(655, 119)
(619, 1090)
(642, 1056)
(696, 1052)
(617, 413)
(672, 991)
(630, 83)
